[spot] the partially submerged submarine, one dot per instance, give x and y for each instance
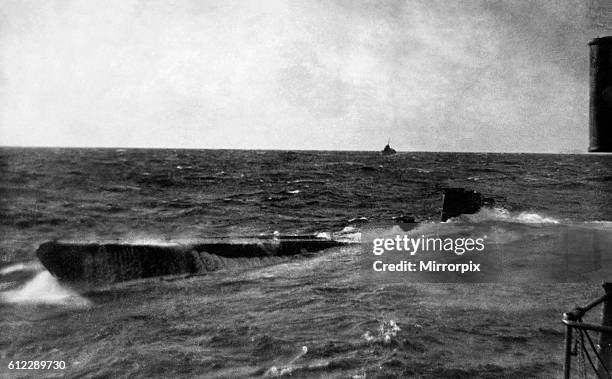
(105, 262)
(110, 262)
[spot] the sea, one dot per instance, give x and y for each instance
(302, 316)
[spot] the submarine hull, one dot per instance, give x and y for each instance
(101, 263)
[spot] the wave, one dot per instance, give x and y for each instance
(21, 267)
(207, 262)
(288, 368)
(504, 215)
(44, 289)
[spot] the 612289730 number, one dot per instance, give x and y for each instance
(36, 365)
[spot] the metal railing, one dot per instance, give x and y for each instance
(602, 365)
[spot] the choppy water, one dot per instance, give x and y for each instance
(256, 321)
(157, 194)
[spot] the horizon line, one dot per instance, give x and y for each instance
(567, 152)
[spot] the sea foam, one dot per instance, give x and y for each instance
(43, 288)
(501, 214)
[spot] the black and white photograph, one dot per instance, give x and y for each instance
(306, 189)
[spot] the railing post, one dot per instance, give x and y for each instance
(567, 365)
(605, 339)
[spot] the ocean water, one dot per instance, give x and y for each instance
(312, 316)
(162, 194)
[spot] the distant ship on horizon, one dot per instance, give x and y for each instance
(388, 150)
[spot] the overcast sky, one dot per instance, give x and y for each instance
(466, 75)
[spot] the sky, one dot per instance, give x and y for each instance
(430, 75)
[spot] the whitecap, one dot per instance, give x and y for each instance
(44, 289)
(501, 214)
(24, 266)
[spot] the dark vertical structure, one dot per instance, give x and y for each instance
(601, 95)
